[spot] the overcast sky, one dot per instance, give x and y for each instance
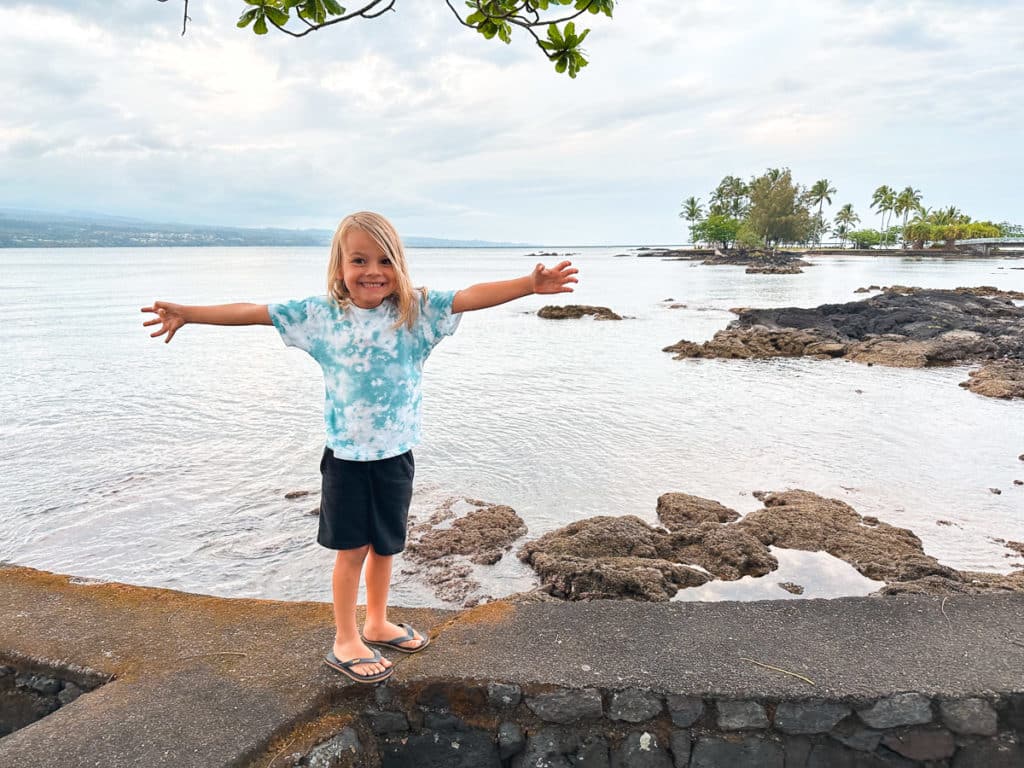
(106, 108)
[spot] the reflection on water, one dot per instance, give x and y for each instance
(131, 460)
(819, 573)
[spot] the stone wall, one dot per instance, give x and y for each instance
(29, 692)
(499, 725)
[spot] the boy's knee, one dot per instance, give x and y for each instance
(356, 553)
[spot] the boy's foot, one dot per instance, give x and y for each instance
(398, 637)
(368, 671)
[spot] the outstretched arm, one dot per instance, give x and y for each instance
(556, 279)
(172, 316)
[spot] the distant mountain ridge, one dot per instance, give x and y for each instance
(42, 229)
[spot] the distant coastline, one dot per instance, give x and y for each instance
(35, 229)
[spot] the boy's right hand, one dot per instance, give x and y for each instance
(170, 317)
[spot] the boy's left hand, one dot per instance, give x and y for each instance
(555, 279)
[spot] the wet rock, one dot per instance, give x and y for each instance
(460, 534)
(1016, 546)
(548, 747)
(727, 551)
(503, 695)
(898, 710)
(793, 589)
(510, 740)
(969, 716)
(774, 269)
(69, 693)
(342, 750)
(757, 259)
(576, 311)
(566, 706)
(741, 715)
(994, 582)
(677, 306)
(1003, 379)
(680, 744)
(996, 491)
(714, 752)
(681, 510)
(473, 749)
(757, 342)
(296, 494)
(593, 753)
(804, 520)
(852, 734)
(482, 535)
(990, 754)
(39, 683)
(625, 557)
(921, 743)
(608, 557)
(1018, 482)
(641, 750)
(911, 329)
(634, 706)
(685, 710)
(386, 722)
(803, 717)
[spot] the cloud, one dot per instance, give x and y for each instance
(108, 107)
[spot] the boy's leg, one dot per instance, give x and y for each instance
(378, 582)
(348, 563)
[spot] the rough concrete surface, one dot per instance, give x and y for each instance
(182, 694)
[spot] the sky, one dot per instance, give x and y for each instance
(108, 109)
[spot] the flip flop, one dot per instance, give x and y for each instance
(345, 667)
(394, 643)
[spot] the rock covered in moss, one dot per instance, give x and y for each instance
(576, 311)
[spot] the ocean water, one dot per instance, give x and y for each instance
(127, 459)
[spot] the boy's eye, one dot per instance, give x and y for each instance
(386, 262)
(358, 260)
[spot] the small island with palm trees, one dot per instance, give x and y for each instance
(772, 210)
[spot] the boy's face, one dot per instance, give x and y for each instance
(366, 270)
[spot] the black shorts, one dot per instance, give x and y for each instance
(365, 502)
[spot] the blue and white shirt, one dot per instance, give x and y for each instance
(372, 370)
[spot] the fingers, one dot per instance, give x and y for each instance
(154, 321)
(170, 335)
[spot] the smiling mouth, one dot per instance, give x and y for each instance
(372, 285)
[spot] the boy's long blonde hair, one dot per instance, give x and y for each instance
(385, 235)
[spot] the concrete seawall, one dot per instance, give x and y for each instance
(135, 676)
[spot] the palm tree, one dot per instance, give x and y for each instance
(820, 193)
(884, 200)
(906, 201)
(844, 221)
(692, 212)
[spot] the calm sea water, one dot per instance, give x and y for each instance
(130, 460)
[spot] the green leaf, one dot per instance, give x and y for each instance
(260, 27)
(277, 16)
(246, 18)
(555, 36)
(334, 7)
(561, 64)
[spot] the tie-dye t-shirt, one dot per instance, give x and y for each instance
(372, 370)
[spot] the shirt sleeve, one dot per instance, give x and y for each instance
(436, 319)
(300, 322)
